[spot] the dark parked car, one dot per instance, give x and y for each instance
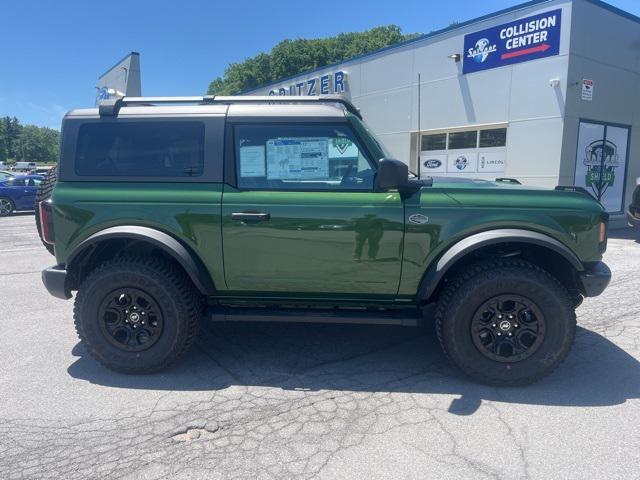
(6, 175)
(18, 193)
(633, 212)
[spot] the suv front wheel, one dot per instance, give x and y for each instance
(137, 315)
(505, 322)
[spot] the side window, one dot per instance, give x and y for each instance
(16, 182)
(436, 141)
(141, 149)
(301, 157)
(495, 137)
(458, 140)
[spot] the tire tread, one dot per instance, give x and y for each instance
(495, 267)
(184, 293)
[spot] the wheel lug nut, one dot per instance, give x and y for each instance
(494, 325)
(510, 334)
(515, 325)
(499, 334)
(499, 316)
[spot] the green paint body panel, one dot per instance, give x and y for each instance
(457, 211)
(321, 248)
(188, 211)
(315, 243)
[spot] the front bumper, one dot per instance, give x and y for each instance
(55, 279)
(632, 219)
(595, 279)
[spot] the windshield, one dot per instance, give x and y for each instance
(372, 141)
(365, 132)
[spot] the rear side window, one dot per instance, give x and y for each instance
(140, 149)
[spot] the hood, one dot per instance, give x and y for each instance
(508, 194)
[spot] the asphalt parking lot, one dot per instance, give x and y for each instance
(309, 401)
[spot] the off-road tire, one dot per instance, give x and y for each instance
(469, 289)
(12, 208)
(44, 193)
(172, 290)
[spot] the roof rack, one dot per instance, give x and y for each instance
(110, 107)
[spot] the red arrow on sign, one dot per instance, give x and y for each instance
(540, 48)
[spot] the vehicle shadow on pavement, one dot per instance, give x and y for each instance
(22, 213)
(371, 359)
(625, 234)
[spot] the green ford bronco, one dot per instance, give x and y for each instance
(167, 211)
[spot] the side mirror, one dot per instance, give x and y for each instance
(392, 175)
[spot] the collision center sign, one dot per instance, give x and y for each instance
(526, 39)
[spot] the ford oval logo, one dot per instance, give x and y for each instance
(432, 163)
(418, 219)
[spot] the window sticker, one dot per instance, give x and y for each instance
(342, 147)
(252, 161)
(297, 158)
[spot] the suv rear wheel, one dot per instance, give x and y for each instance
(137, 315)
(505, 322)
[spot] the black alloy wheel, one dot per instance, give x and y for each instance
(131, 319)
(508, 328)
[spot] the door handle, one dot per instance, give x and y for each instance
(251, 217)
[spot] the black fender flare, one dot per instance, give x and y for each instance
(437, 270)
(165, 242)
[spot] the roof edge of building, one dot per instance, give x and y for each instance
(530, 3)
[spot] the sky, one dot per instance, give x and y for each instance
(53, 51)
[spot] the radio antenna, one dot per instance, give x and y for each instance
(419, 146)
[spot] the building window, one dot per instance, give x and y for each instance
(458, 140)
(437, 141)
(496, 137)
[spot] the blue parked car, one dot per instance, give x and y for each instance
(18, 193)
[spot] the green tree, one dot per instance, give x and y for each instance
(291, 57)
(39, 144)
(11, 131)
(29, 142)
(3, 142)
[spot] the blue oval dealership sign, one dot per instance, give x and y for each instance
(526, 39)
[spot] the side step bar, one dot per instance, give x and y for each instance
(408, 317)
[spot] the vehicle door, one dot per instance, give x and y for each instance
(19, 193)
(302, 217)
(30, 190)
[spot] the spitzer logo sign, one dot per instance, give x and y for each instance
(529, 38)
(481, 51)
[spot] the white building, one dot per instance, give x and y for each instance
(545, 92)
